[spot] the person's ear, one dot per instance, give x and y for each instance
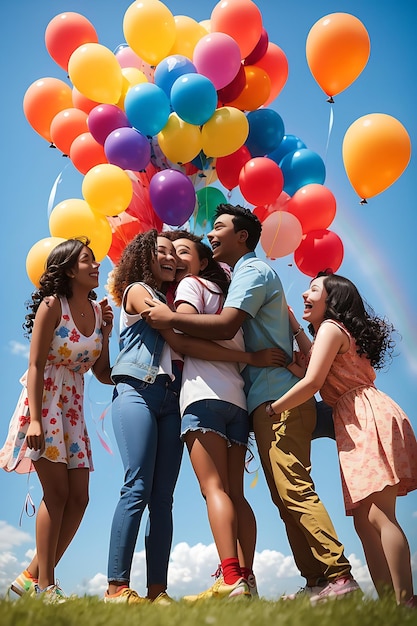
(203, 264)
(243, 236)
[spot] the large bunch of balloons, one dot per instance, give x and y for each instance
(167, 125)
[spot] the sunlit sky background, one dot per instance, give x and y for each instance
(380, 257)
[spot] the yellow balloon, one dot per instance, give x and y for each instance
(206, 25)
(188, 34)
(149, 29)
(74, 218)
(107, 189)
(37, 256)
(376, 150)
(131, 76)
(225, 132)
(95, 71)
(179, 141)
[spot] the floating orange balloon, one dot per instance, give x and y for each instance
(65, 33)
(256, 90)
(66, 126)
(275, 64)
(43, 100)
(376, 150)
(86, 152)
(37, 255)
(337, 50)
(241, 19)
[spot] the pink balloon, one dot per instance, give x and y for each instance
(217, 56)
(104, 119)
(127, 58)
(281, 234)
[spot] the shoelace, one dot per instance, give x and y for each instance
(218, 572)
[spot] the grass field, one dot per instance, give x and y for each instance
(91, 611)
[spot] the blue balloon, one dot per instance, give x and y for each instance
(266, 131)
(147, 108)
(171, 68)
(194, 98)
(289, 143)
(302, 167)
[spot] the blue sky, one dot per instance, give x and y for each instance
(380, 257)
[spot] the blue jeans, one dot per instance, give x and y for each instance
(146, 423)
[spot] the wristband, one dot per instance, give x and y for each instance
(299, 330)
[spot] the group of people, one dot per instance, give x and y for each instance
(206, 356)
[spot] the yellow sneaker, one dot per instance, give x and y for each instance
(125, 596)
(220, 590)
(163, 599)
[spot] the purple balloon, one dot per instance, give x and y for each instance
(105, 118)
(173, 196)
(128, 148)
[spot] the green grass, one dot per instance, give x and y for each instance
(91, 611)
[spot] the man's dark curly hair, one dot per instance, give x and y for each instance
(372, 334)
(243, 219)
(55, 281)
(134, 265)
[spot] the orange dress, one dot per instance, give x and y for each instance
(375, 440)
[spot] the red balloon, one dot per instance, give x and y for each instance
(86, 152)
(319, 250)
(259, 50)
(280, 204)
(66, 126)
(65, 33)
(233, 89)
(124, 227)
(43, 100)
(80, 101)
(314, 205)
(275, 64)
(228, 167)
(141, 205)
(261, 181)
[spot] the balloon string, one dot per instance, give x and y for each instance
(331, 117)
(28, 505)
(102, 437)
(268, 254)
(52, 194)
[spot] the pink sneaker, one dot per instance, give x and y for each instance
(336, 589)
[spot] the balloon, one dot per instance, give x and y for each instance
(208, 199)
(131, 76)
(127, 58)
(74, 218)
(123, 227)
(260, 181)
(149, 29)
(104, 119)
(259, 50)
(225, 132)
(66, 126)
(217, 56)
(314, 206)
(140, 205)
(337, 51)
(37, 256)
(241, 19)
(65, 33)
(281, 234)
(266, 131)
(289, 143)
(228, 167)
(188, 32)
(179, 141)
(275, 64)
(173, 197)
(300, 168)
(94, 70)
(319, 250)
(234, 88)
(43, 100)
(280, 204)
(169, 69)
(194, 98)
(86, 152)
(128, 148)
(256, 90)
(107, 189)
(376, 150)
(82, 102)
(147, 108)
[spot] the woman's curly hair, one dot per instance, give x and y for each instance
(134, 265)
(55, 281)
(372, 334)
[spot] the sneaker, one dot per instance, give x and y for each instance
(24, 583)
(163, 599)
(220, 590)
(305, 592)
(336, 589)
(52, 594)
(411, 603)
(126, 596)
(253, 588)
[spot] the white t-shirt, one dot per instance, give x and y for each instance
(202, 380)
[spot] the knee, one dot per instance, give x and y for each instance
(56, 496)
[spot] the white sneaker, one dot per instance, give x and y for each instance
(253, 588)
(305, 592)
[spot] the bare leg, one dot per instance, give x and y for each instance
(246, 523)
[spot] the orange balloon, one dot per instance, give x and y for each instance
(337, 50)
(376, 150)
(275, 64)
(65, 33)
(256, 91)
(80, 101)
(86, 152)
(43, 100)
(241, 19)
(37, 255)
(66, 126)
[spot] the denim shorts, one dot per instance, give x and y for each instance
(227, 420)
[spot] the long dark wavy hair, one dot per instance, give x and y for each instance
(372, 334)
(214, 270)
(134, 265)
(55, 281)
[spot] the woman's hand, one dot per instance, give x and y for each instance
(268, 357)
(158, 315)
(298, 366)
(35, 437)
(108, 316)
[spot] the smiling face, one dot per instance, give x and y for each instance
(315, 302)
(227, 244)
(188, 259)
(85, 271)
(164, 263)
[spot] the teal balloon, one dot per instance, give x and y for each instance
(194, 98)
(169, 69)
(302, 167)
(147, 108)
(208, 199)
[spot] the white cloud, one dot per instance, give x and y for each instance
(20, 349)
(11, 536)
(10, 566)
